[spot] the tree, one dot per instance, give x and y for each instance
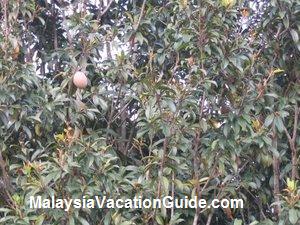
(182, 100)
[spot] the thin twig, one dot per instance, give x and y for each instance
(173, 192)
(141, 15)
(6, 32)
(106, 8)
(4, 172)
(292, 142)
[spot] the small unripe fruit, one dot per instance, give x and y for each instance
(80, 80)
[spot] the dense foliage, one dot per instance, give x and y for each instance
(184, 98)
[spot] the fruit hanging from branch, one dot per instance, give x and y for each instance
(80, 80)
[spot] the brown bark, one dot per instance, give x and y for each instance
(54, 28)
(292, 144)
(165, 150)
(122, 145)
(6, 30)
(276, 174)
(5, 183)
(101, 13)
(196, 175)
(108, 50)
(162, 165)
(196, 162)
(5, 176)
(208, 222)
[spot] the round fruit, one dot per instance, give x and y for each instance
(80, 80)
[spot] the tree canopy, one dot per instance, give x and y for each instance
(184, 98)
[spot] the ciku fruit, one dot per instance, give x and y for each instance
(80, 80)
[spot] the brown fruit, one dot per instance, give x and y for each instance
(80, 80)
(16, 52)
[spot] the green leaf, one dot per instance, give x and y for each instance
(40, 220)
(5, 210)
(178, 183)
(269, 120)
(293, 216)
(103, 104)
(279, 124)
(252, 185)
(159, 219)
(161, 59)
(171, 105)
(166, 130)
(71, 221)
(286, 22)
(295, 35)
(186, 37)
(267, 140)
(214, 144)
(238, 222)
(226, 130)
(27, 131)
(41, 20)
(274, 151)
(224, 64)
(165, 183)
(273, 95)
(203, 125)
(127, 223)
(254, 223)
(140, 38)
(176, 219)
(83, 221)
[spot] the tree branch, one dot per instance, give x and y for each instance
(4, 172)
(292, 143)
(141, 15)
(297, 111)
(106, 8)
(276, 172)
